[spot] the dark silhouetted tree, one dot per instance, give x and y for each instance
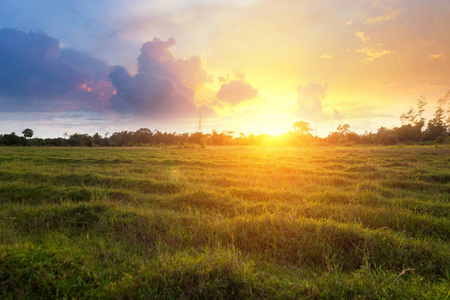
(143, 135)
(437, 126)
(28, 133)
(412, 123)
(98, 140)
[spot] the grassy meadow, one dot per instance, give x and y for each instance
(225, 222)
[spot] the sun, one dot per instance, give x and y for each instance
(274, 130)
(271, 125)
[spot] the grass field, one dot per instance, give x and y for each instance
(227, 222)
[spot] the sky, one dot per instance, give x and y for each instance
(251, 66)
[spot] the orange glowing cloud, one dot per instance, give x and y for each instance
(102, 89)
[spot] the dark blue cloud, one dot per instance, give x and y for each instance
(34, 69)
(90, 68)
(30, 65)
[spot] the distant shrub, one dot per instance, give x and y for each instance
(188, 146)
(203, 143)
(129, 144)
(441, 139)
(113, 144)
(390, 140)
(88, 141)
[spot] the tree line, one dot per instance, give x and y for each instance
(414, 129)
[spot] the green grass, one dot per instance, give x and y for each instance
(227, 222)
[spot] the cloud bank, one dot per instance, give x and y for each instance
(31, 65)
(36, 74)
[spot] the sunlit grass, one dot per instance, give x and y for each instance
(245, 222)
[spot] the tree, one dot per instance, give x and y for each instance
(411, 117)
(13, 139)
(343, 129)
(76, 139)
(412, 122)
(143, 135)
(436, 127)
(88, 141)
(221, 139)
(27, 133)
(98, 140)
(302, 127)
(445, 101)
(340, 135)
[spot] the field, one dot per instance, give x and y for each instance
(226, 222)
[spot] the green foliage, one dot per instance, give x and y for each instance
(28, 133)
(12, 140)
(230, 222)
(389, 140)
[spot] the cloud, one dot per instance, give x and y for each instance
(90, 67)
(236, 91)
(37, 75)
(373, 53)
(362, 36)
(387, 13)
(433, 56)
(164, 85)
(31, 65)
(239, 75)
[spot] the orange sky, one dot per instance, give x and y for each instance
(365, 62)
(271, 63)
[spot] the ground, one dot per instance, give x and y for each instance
(225, 222)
